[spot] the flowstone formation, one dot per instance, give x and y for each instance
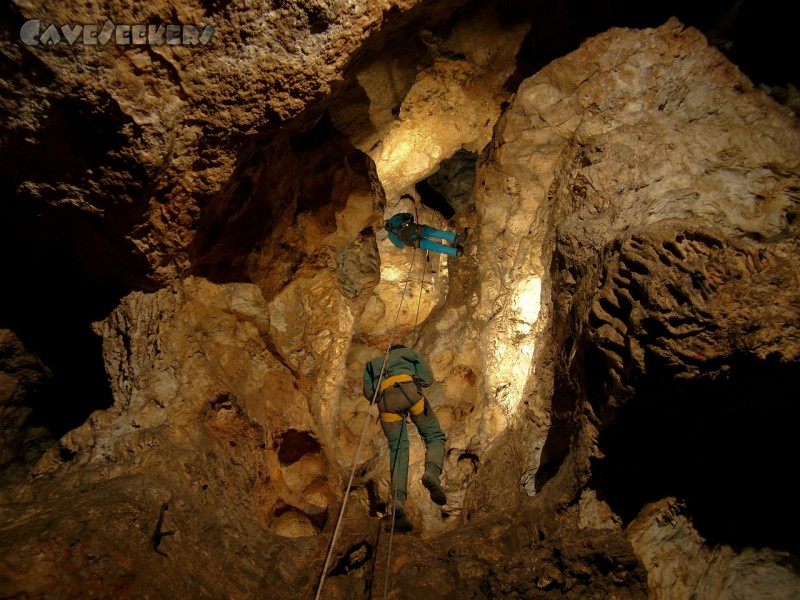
(614, 354)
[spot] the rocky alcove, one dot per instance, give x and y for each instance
(198, 275)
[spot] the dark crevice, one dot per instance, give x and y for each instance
(559, 434)
(725, 448)
(431, 198)
(354, 557)
(473, 458)
(294, 445)
(50, 304)
(449, 189)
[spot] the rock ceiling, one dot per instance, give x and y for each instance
(195, 278)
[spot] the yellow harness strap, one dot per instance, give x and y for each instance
(392, 380)
(414, 410)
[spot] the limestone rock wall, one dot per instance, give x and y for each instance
(625, 315)
(666, 264)
(158, 155)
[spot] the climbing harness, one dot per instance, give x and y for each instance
(363, 432)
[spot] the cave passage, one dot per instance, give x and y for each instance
(50, 305)
(726, 448)
(448, 190)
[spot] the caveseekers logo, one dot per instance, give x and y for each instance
(33, 33)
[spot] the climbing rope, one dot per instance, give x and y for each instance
(419, 302)
(361, 439)
(391, 530)
(397, 449)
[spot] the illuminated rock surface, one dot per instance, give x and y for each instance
(615, 354)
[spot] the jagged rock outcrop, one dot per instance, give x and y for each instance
(614, 354)
(22, 377)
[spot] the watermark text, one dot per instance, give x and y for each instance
(34, 33)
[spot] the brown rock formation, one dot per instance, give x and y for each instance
(614, 355)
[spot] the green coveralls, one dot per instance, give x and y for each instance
(398, 399)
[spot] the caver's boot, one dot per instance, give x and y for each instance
(401, 520)
(431, 482)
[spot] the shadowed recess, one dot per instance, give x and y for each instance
(294, 445)
(724, 447)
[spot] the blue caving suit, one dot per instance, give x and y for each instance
(403, 231)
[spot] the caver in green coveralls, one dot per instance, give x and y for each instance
(399, 393)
